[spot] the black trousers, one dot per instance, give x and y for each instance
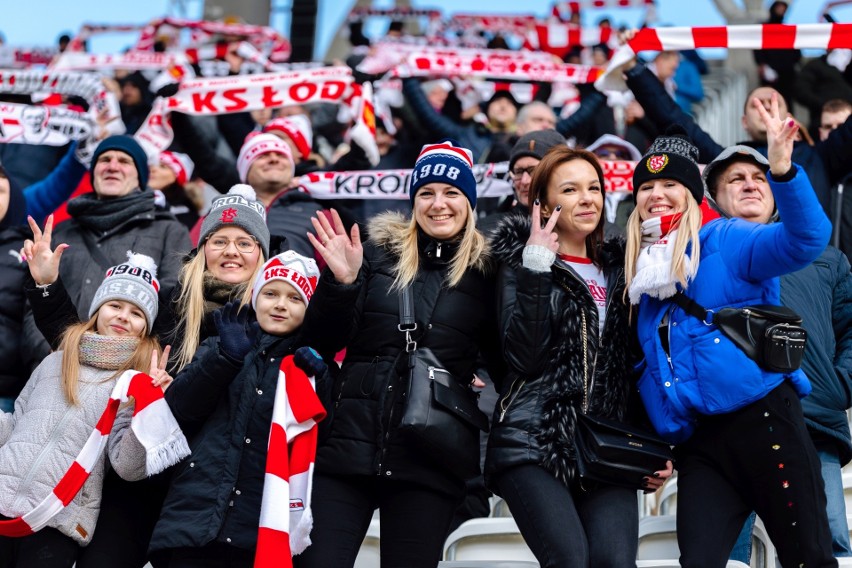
(414, 522)
(213, 555)
(759, 458)
(48, 548)
(129, 511)
(598, 528)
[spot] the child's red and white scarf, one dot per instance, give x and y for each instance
(285, 512)
(654, 265)
(152, 423)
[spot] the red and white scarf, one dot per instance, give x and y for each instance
(762, 36)
(152, 423)
(240, 93)
(285, 511)
(654, 266)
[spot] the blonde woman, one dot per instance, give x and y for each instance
(365, 461)
(233, 245)
(738, 429)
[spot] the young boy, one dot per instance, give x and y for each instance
(224, 401)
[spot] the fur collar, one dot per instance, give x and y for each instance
(388, 231)
(511, 234)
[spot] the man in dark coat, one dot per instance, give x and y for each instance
(822, 294)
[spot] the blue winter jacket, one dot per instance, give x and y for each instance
(740, 265)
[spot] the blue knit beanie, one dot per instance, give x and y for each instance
(129, 146)
(444, 162)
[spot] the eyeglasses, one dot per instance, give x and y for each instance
(613, 154)
(518, 173)
(244, 245)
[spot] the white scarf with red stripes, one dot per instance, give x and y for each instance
(289, 469)
(654, 264)
(154, 427)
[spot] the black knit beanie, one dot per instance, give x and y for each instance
(671, 156)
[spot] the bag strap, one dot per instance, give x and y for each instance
(407, 323)
(95, 251)
(693, 308)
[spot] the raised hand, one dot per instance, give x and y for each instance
(544, 236)
(342, 253)
(159, 376)
(236, 337)
(43, 262)
(309, 361)
(780, 135)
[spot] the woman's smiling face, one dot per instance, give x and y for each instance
(659, 197)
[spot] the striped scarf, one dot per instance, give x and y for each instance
(152, 423)
(289, 469)
(654, 264)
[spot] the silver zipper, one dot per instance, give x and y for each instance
(433, 370)
(508, 403)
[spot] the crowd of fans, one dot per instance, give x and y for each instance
(210, 266)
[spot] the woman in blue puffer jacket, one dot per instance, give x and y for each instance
(741, 441)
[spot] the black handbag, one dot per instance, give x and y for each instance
(771, 336)
(614, 452)
(440, 414)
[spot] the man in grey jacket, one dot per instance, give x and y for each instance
(822, 294)
(120, 215)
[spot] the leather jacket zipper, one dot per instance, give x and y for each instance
(507, 400)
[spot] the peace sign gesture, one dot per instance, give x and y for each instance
(43, 262)
(780, 135)
(159, 376)
(544, 236)
(342, 253)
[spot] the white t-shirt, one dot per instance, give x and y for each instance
(595, 282)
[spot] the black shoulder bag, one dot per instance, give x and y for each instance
(440, 414)
(614, 452)
(771, 336)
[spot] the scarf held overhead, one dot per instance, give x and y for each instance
(152, 423)
(285, 511)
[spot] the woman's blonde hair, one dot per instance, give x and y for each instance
(687, 236)
(190, 304)
(473, 248)
(70, 347)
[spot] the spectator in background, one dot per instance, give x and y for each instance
(526, 154)
(687, 79)
(822, 79)
(17, 360)
(62, 42)
(169, 175)
(135, 101)
(611, 148)
(535, 115)
(777, 67)
(835, 114)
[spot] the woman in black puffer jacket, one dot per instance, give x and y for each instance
(561, 298)
(365, 462)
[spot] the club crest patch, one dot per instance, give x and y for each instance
(656, 163)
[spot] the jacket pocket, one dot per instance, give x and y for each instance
(727, 379)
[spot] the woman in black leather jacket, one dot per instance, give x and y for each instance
(365, 462)
(568, 343)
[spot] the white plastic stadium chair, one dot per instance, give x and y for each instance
(488, 538)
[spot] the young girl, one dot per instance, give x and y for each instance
(61, 406)
(227, 396)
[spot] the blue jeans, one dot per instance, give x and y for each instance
(7, 403)
(836, 510)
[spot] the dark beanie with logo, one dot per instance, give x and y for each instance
(671, 156)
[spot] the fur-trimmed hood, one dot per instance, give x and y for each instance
(389, 231)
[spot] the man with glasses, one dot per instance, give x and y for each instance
(525, 156)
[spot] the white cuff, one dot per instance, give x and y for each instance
(538, 258)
